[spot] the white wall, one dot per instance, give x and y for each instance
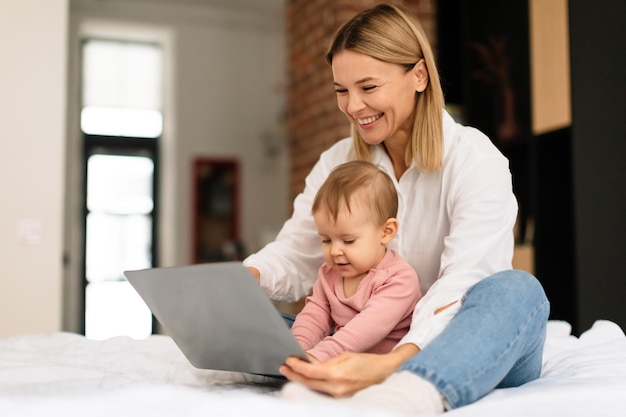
(230, 93)
(33, 45)
(226, 76)
(225, 93)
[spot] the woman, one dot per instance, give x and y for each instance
(480, 325)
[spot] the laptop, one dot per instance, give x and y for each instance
(219, 316)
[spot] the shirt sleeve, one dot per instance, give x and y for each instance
(314, 322)
(482, 211)
(289, 265)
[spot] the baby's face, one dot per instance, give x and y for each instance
(352, 243)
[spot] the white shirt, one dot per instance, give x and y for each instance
(456, 227)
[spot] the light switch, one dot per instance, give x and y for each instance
(30, 231)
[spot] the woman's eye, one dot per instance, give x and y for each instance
(369, 88)
(340, 90)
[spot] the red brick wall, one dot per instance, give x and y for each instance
(313, 120)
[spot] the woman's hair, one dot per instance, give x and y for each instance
(360, 183)
(391, 34)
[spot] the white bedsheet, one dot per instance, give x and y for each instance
(64, 374)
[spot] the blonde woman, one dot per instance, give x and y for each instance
(479, 325)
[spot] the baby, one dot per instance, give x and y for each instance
(365, 293)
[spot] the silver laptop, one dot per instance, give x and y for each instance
(218, 315)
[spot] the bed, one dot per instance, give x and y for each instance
(65, 374)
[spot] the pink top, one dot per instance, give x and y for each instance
(373, 319)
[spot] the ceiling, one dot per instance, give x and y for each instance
(261, 6)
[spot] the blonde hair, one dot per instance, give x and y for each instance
(391, 34)
(373, 187)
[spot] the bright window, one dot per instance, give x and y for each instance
(118, 238)
(121, 120)
(122, 85)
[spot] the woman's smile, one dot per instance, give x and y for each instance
(368, 120)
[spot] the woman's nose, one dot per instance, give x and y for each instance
(355, 104)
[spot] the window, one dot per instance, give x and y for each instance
(121, 121)
(121, 89)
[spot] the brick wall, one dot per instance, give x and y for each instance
(313, 120)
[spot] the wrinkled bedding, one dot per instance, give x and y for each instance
(65, 374)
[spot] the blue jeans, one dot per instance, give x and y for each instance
(494, 341)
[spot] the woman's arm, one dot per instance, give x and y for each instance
(287, 267)
(347, 373)
(481, 211)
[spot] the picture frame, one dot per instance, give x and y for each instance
(215, 226)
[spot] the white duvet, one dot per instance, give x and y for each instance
(64, 374)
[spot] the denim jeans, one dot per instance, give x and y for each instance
(494, 341)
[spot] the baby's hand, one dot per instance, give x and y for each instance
(312, 358)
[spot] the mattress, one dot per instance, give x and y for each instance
(65, 374)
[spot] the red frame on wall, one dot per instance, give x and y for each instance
(215, 227)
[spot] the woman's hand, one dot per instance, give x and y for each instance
(347, 373)
(255, 273)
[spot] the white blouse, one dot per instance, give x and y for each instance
(456, 227)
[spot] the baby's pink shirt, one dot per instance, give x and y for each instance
(373, 319)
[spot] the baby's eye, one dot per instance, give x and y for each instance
(325, 241)
(348, 241)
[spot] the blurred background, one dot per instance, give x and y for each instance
(143, 133)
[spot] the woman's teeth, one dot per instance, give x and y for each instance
(369, 119)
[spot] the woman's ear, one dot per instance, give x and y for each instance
(421, 75)
(390, 229)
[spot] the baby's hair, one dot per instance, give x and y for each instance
(363, 181)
